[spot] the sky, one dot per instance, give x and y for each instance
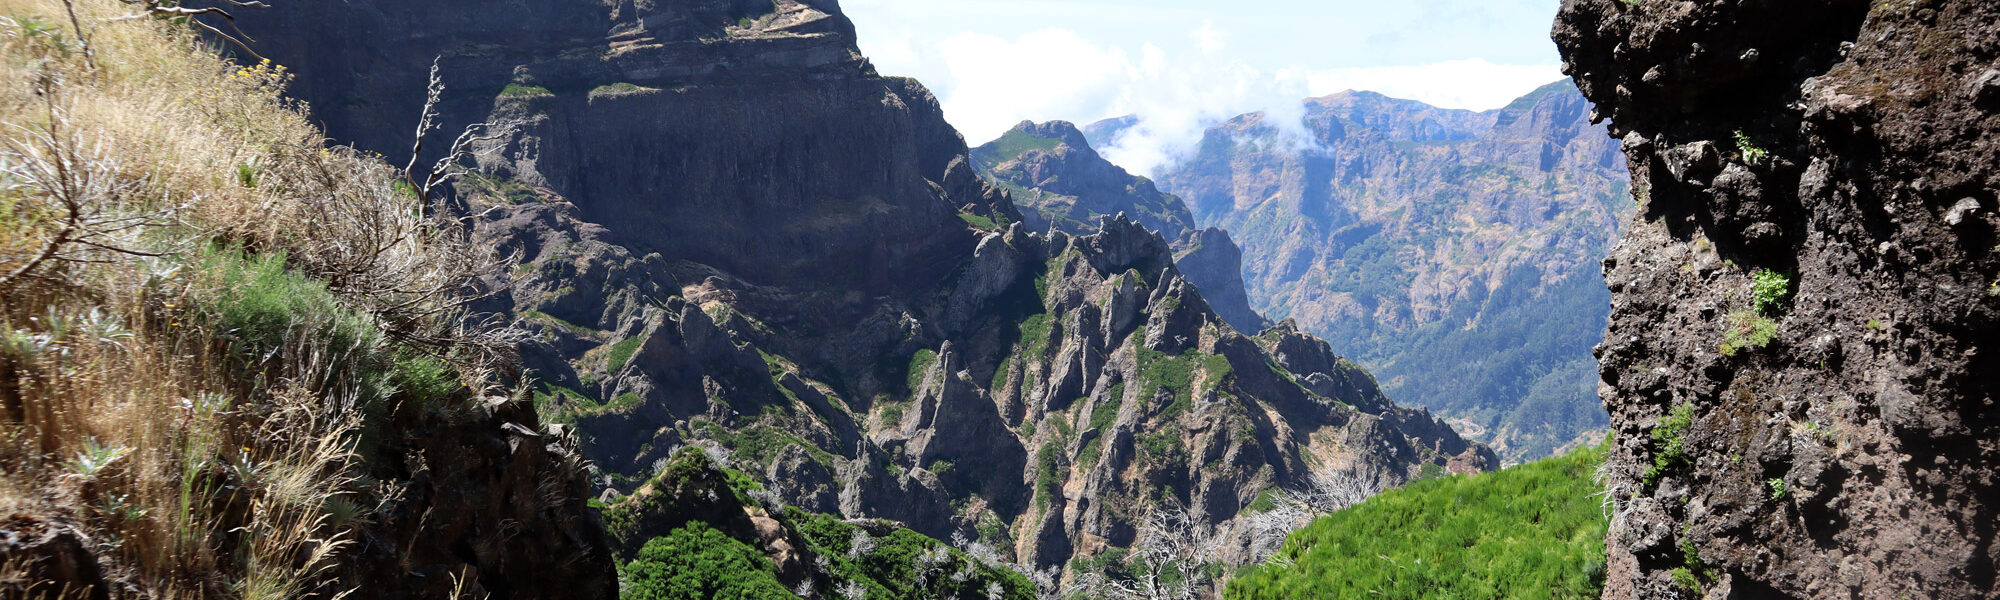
(1184, 65)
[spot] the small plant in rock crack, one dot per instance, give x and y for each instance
(1670, 437)
(1749, 150)
(1778, 489)
(1745, 330)
(1769, 290)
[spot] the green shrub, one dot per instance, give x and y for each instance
(1685, 579)
(1778, 490)
(1013, 144)
(1107, 411)
(1159, 370)
(1533, 531)
(1749, 150)
(1162, 447)
(266, 308)
(978, 221)
(1670, 441)
(615, 88)
(902, 564)
(1769, 289)
(1049, 478)
(696, 561)
(920, 364)
(420, 376)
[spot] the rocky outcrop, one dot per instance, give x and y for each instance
(1798, 365)
(489, 500)
(49, 559)
(1452, 252)
(1064, 185)
(1068, 395)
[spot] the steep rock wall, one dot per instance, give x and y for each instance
(1799, 364)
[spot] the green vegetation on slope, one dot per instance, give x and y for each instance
(1532, 531)
(696, 561)
(699, 541)
(1012, 146)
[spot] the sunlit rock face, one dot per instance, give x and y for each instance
(1798, 368)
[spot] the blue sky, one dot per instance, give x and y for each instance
(1182, 65)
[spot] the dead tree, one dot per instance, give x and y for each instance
(453, 163)
(1174, 558)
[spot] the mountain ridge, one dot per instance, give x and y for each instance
(928, 360)
(1425, 242)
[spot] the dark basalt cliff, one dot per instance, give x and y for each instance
(1799, 366)
(1454, 253)
(734, 234)
(613, 106)
(1062, 184)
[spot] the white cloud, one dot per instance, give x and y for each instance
(1209, 39)
(988, 83)
(1043, 75)
(1473, 84)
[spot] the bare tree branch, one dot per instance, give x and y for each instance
(172, 9)
(461, 149)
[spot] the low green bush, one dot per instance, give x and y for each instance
(696, 561)
(1531, 531)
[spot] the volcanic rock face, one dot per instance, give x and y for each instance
(1452, 252)
(1063, 185)
(734, 233)
(1799, 367)
(611, 106)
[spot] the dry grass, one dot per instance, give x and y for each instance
(202, 452)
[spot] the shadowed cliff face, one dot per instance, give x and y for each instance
(1799, 366)
(1452, 252)
(749, 136)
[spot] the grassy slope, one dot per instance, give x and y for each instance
(1532, 531)
(193, 372)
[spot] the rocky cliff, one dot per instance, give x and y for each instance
(733, 233)
(612, 104)
(1798, 366)
(1451, 252)
(1063, 185)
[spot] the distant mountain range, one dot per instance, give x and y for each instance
(1452, 252)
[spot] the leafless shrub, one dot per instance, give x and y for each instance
(1327, 492)
(1173, 559)
(75, 198)
(384, 253)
